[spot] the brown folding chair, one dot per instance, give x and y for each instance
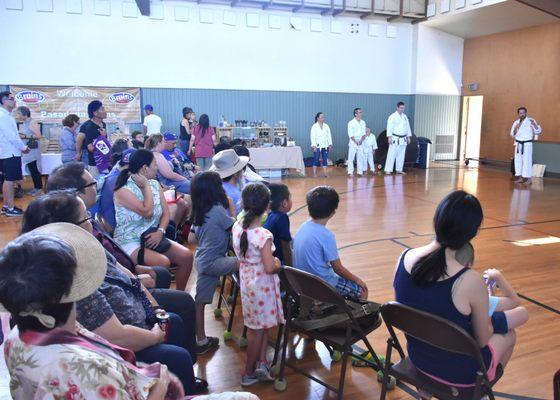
(104, 224)
(302, 284)
(557, 385)
(440, 333)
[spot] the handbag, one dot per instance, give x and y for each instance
(33, 143)
(162, 246)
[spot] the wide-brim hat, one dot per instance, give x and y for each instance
(227, 162)
(91, 261)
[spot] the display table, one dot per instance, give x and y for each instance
(49, 161)
(277, 158)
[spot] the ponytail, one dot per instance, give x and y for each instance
(248, 219)
(122, 179)
(430, 268)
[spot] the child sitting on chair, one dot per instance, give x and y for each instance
(505, 311)
(315, 249)
(278, 222)
(211, 226)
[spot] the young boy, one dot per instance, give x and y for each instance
(370, 145)
(278, 222)
(505, 311)
(315, 249)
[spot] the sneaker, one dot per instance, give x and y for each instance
(212, 343)
(14, 212)
(263, 373)
(4, 209)
(200, 385)
(249, 380)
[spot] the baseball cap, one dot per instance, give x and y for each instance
(169, 137)
(149, 107)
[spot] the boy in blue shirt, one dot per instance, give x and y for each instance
(315, 249)
(278, 222)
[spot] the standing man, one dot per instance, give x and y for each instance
(89, 131)
(356, 134)
(398, 136)
(11, 148)
(152, 123)
(524, 130)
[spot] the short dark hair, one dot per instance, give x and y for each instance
(319, 114)
(241, 150)
(67, 176)
(136, 133)
(356, 110)
(26, 112)
(400, 103)
(93, 107)
(186, 111)
(56, 206)
(70, 119)
(521, 108)
(36, 270)
(322, 202)
(4, 95)
(221, 147)
(278, 193)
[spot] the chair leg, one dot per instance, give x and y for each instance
(279, 336)
(222, 289)
(477, 393)
(385, 381)
(284, 351)
(233, 307)
(373, 354)
(343, 374)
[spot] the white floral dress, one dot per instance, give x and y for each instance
(260, 291)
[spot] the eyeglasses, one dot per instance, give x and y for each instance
(92, 183)
(89, 218)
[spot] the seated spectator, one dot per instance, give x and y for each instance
(180, 161)
(430, 279)
(142, 217)
(278, 222)
(230, 167)
(203, 139)
(118, 148)
(223, 144)
(250, 174)
(42, 275)
(67, 139)
(121, 309)
(211, 230)
(137, 140)
(102, 152)
(165, 173)
(315, 249)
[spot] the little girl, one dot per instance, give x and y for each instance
(211, 227)
(260, 286)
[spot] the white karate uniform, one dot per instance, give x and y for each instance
(523, 158)
(356, 129)
(370, 145)
(398, 128)
(321, 138)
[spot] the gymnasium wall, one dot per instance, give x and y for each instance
(513, 69)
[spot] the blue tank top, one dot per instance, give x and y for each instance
(436, 298)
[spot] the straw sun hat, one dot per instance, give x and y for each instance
(227, 162)
(91, 262)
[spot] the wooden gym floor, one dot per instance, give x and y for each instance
(377, 219)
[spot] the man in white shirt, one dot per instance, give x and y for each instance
(11, 148)
(152, 123)
(356, 134)
(398, 136)
(524, 130)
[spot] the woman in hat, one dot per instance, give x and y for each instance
(42, 274)
(230, 167)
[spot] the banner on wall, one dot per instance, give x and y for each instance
(50, 104)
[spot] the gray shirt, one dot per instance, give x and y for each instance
(213, 237)
(68, 144)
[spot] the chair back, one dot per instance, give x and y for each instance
(104, 223)
(557, 385)
(431, 329)
(308, 285)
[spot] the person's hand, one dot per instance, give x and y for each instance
(159, 390)
(147, 281)
(390, 139)
(22, 136)
(26, 150)
(78, 157)
(102, 131)
(153, 239)
(314, 148)
(494, 274)
(364, 287)
(533, 122)
(277, 264)
(140, 180)
(159, 334)
(516, 128)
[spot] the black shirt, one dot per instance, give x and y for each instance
(91, 130)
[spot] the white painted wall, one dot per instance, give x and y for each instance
(61, 48)
(438, 61)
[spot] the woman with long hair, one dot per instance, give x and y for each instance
(185, 128)
(431, 278)
(141, 211)
(203, 140)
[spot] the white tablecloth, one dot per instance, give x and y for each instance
(277, 158)
(49, 161)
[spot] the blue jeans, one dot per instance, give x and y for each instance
(320, 153)
(204, 163)
(173, 354)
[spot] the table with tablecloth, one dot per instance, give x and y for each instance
(277, 158)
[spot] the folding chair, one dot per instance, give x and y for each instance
(224, 299)
(104, 224)
(302, 284)
(556, 383)
(440, 333)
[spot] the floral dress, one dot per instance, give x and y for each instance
(260, 291)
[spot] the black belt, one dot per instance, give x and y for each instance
(400, 136)
(522, 143)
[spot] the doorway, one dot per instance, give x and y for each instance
(471, 127)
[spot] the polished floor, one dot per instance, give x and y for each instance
(377, 219)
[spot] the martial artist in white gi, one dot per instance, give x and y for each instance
(398, 136)
(370, 145)
(356, 134)
(524, 130)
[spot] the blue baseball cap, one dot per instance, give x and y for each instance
(149, 107)
(169, 137)
(125, 158)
